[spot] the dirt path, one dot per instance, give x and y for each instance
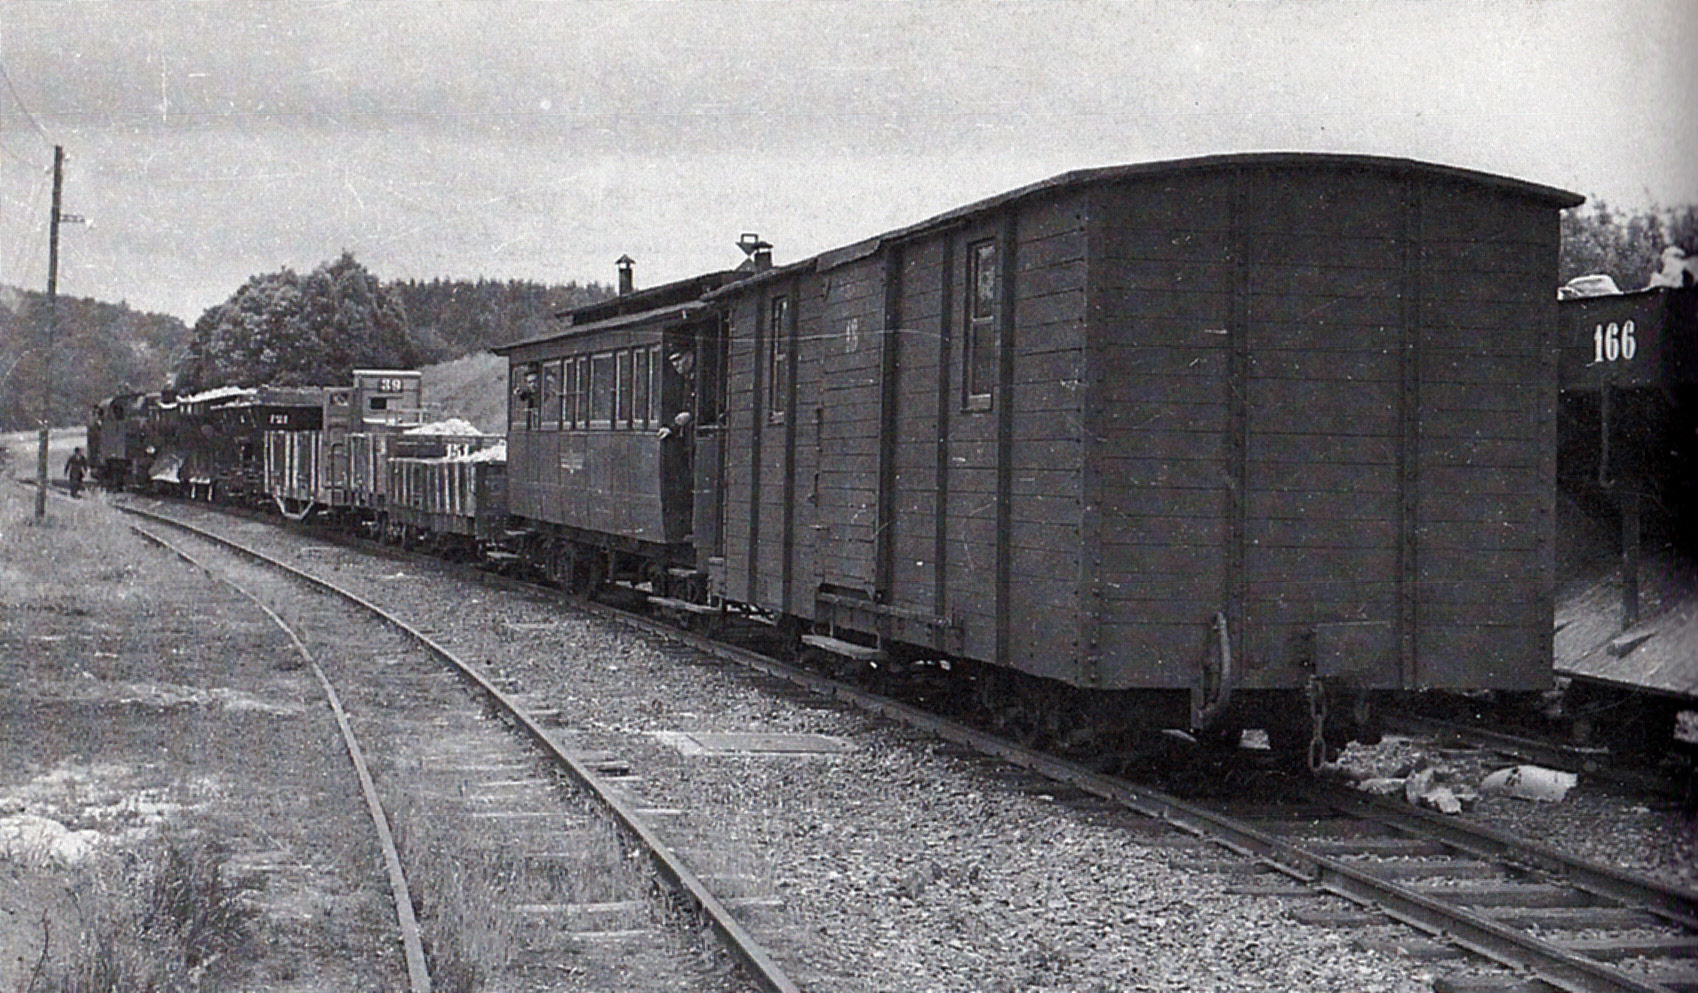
(148, 711)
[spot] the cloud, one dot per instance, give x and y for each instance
(540, 140)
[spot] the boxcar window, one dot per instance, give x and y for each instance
(778, 378)
(585, 390)
(980, 341)
(601, 390)
(622, 393)
(654, 386)
(550, 397)
(640, 388)
(567, 392)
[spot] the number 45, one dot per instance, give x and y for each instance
(1613, 341)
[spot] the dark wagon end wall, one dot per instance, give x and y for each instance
(1325, 391)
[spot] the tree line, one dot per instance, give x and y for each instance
(281, 328)
(286, 329)
(1600, 240)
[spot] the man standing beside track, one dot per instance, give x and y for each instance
(75, 466)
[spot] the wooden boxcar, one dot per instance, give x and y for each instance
(449, 490)
(1213, 428)
(599, 463)
(1629, 379)
(1629, 460)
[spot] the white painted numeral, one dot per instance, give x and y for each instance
(1613, 341)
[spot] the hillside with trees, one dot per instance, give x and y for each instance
(451, 318)
(99, 349)
(291, 330)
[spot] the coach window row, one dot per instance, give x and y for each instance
(618, 390)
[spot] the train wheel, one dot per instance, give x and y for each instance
(589, 575)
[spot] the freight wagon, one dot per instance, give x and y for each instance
(341, 469)
(1161, 445)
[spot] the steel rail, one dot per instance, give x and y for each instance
(1557, 966)
(750, 954)
(1675, 904)
(412, 944)
(1547, 961)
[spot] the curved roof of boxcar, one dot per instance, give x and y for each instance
(1555, 198)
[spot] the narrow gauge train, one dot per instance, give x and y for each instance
(1239, 441)
(1235, 441)
(331, 451)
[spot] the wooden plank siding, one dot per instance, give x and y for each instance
(1161, 266)
(1333, 471)
(1295, 390)
(1487, 462)
(849, 394)
(742, 432)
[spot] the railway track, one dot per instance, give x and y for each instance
(1544, 920)
(468, 800)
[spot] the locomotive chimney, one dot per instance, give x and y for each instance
(627, 282)
(759, 253)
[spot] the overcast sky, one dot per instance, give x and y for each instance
(211, 141)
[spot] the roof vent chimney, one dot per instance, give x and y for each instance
(759, 253)
(627, 281)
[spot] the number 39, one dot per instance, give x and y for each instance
(1613, 341)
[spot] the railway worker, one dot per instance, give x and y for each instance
(683, 362)
(678, 425)
(75, 466)
(1677, 270)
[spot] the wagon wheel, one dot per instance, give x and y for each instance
(813, 660)
(590, 577)
(1020, 724)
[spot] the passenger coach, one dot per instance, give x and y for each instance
(600, 462)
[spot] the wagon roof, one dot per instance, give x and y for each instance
(673, 314)
(1550, 195)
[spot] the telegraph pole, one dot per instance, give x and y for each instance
(47, 343)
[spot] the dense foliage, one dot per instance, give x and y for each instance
(286, 329)
(1597, 239)
(99, 349)
(451, 318)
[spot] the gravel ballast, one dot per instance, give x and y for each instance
(900, 865)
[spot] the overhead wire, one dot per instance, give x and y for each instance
(33, 242)
(18, 99)
(19, 244)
